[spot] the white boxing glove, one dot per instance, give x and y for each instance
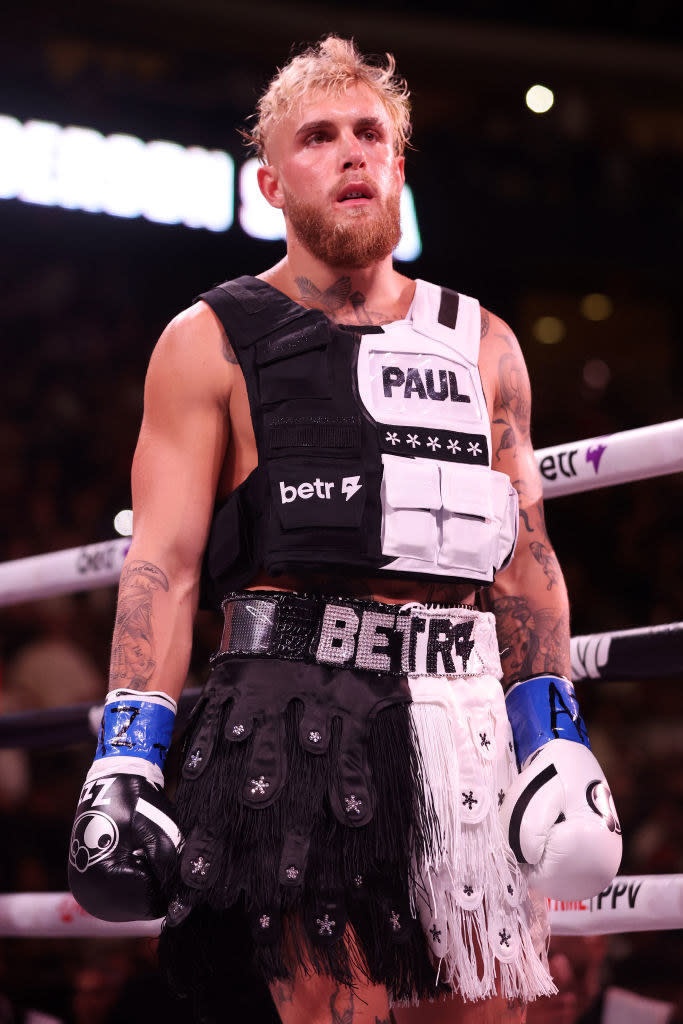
(558, 814)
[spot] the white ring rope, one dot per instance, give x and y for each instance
(614, 459)
(566, 468)
(632, 903)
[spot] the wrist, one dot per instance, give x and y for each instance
(136, 728)
(541, 709)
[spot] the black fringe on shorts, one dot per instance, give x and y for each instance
(287, 865)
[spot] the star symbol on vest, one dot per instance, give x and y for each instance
(505, 938)
(392, 438)
(435, 933)
(413, 441)
(325, 926)
(433, 443)
(484, 741)
(474, 448)
(501, 797)
(259, 785)
(468, 890)
(353, 804)
(469, 799)
(453, 446)
(194, 759)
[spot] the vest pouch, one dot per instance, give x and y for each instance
(476, 503)
(293, 363)
(411, 500)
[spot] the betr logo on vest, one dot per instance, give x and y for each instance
(319, 488)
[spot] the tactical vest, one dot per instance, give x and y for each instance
(374, 445)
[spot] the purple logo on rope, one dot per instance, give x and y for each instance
(595, 454)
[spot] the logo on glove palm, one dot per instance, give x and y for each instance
(93, 838)
(600, 800)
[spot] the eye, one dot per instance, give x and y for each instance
(370, 135)
(315, 138)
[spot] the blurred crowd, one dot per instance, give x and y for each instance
(73, 373)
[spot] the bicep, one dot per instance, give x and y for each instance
(512, 450)
(180, 450)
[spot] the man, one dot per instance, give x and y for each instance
(345, 448)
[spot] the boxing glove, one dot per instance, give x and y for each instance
(558, 814)
(124, 839)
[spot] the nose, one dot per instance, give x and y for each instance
(352, 153)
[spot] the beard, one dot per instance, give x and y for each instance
(356, 240)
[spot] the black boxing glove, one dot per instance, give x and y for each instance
(124, 840)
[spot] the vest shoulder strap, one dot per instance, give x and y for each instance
(250, 308)
(449, 317)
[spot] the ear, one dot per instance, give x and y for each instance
(269, 183)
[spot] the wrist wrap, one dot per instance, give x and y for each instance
(137, 724)
(541, 709)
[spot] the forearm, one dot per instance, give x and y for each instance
(531, 606)
(152, 638)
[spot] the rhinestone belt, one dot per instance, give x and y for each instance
(353, 633)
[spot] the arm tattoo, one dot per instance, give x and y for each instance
(513, 394)
(132, 655)
(507, 437)
(546, 558)
(484, 324)
(531, 641)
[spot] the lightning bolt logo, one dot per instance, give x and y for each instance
(350, 486)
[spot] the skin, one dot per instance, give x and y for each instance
(197, 444)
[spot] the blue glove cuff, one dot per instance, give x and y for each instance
(136, 725)
(541, 709)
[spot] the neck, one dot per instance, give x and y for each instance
(370, 295)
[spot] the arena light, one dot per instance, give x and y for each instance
(260, 220)
(540, 99)
(549, 330)
(596, 306)
(81, 169)
(123, 522)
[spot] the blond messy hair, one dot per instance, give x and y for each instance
(331, 66)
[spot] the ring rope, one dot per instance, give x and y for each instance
(631, 903)
(565, 469)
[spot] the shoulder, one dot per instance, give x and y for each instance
(500, 355)
(192, 352)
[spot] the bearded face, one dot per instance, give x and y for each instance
(354, 238)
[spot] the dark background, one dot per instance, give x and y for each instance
(529, 213)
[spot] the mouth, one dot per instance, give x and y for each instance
(355, 194)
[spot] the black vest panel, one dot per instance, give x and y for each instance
(318, 452)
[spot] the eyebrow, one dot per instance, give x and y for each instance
(362, 124)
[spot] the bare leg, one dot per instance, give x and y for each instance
(449, 1010)
(317, 999)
